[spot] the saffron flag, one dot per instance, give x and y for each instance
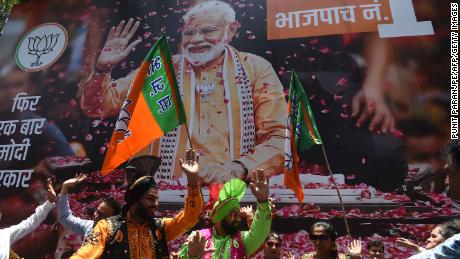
(152, 108)
(301, 134)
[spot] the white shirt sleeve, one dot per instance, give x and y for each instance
(80, 226)
(31, 223)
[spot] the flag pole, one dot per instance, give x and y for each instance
(347, 227)
(188, 135)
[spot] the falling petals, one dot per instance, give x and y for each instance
(324, 50)
(342, 82)
(337, 97)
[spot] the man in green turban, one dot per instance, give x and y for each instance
(224, 239)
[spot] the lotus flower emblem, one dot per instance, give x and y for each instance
(124, 117)
(39, 46)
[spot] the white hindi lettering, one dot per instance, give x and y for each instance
(333, 15)
(15, 178)
(371, 11)
(14, 150)
(281, 19)
(309, 15)
(347, 13)
(22, 102)
(32, 126)
(8, 128)
(293, 18)
(326, 15)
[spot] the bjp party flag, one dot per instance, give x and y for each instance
(152, 108)
(301, 134)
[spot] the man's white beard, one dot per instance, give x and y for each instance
(200, 59)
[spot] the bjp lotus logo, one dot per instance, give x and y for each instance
(41, 47)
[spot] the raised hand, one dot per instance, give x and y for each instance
(354, 248)
(197, 246)
(190, 166)
(72, 182)
(51, 193)
(116, 47)
(260, 186)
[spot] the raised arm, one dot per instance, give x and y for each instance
(193, 206)
(261, 225)
(31, 223)
(449, 249)
(102, 96)
(28, 225)
(65, 216)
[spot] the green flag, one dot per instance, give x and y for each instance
(305, 132)
(301, 134)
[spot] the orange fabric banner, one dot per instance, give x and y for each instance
(297, 19)
(135, 128)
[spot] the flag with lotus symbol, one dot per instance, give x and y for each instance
(301, 134)
(152, 108)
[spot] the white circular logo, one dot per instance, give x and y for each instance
(41, 47)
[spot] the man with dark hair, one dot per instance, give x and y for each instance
(376, 249)
(107, 208)
(137, 233)
(114, 204)
(224, 239)
(272, 246)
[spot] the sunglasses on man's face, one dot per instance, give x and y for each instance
(319, 237)
(271, 244)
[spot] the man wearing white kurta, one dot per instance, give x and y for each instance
(13, 233)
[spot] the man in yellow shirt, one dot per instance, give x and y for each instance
(137, 233)
(234, 101)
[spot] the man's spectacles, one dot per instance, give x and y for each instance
(271, 244)
(319, 237)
